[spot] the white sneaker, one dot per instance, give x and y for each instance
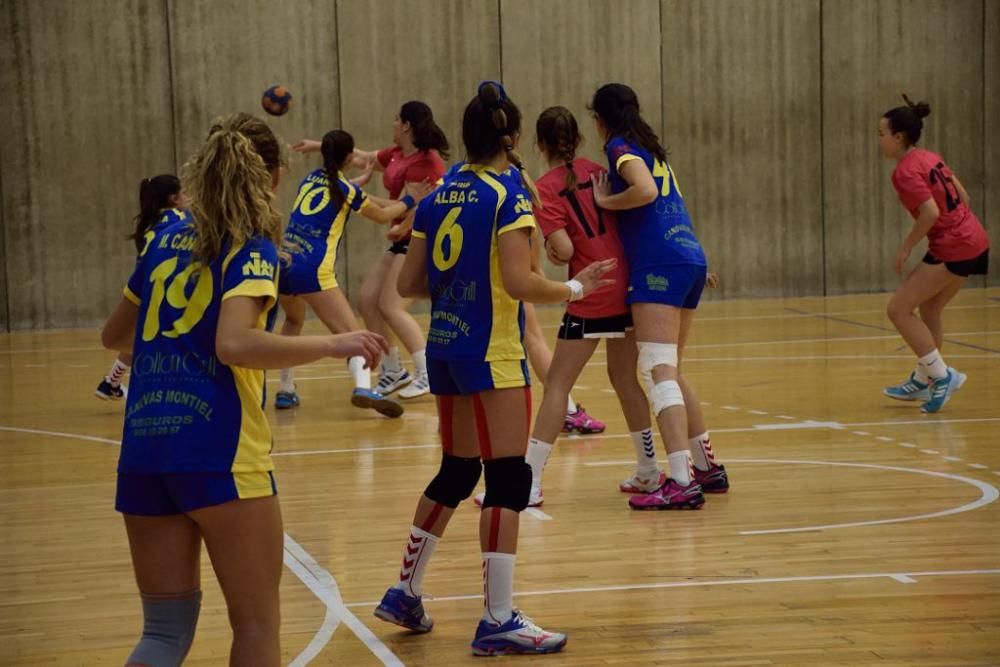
(390, 381)
(421, 385)
(643, 483)
(534, 500)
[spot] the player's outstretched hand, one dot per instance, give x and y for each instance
(602, 188)
(307, 146)
(712, 279)
(592, 277)
(362, 343)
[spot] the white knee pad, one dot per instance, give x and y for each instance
(652, 355)
(665, 395)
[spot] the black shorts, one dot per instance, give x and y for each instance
(977, 266)
(578, 328)
(399, 247)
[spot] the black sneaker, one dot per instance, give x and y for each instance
(109, 392)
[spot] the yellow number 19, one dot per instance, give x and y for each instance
(176, 295)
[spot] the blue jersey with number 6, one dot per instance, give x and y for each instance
(186, 410)
(473, 318)
(658, 233)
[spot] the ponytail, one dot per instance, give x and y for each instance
(427, 135)
(154, 196)
(229, 181)
(336, 146)
(505, 122)
(559, 136)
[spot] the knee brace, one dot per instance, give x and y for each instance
(508, 483)
(456, 480)
(652, 355)
(665, 395)
(168, 629)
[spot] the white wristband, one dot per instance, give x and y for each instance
(576, 290)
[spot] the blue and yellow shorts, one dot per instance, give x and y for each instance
(461, 378)
(677, 285)
(178, 493)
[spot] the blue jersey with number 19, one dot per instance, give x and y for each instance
(658, 233)
(186, 410)
(473, 318)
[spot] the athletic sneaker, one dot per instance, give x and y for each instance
(367, 398)
(285, 400)
(643, 483)
(421, 385)
(581, 422)
(670, 496)
(518, 635)
(390, 381)
(713, 480)
(535, 499)
(110, 392)
(941, 390)
(910, 390)
(405, 610)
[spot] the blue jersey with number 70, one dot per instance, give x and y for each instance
(473, 318)
(186, 410)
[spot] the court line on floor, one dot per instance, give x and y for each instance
(893, 576)
(324, 587)
(60, 434)
(988, 493)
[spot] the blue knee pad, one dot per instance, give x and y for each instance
(456, 480)
(168, 629)
(508, 483)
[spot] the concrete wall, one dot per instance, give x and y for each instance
(769, 109)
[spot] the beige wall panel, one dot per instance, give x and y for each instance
(226, 53)
(873, 51)
(88, 116)
(392, 51)
(741, 99)
(990, 209)
(559, 52)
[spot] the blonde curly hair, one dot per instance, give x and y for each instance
(229, 181)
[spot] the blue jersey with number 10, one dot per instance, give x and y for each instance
(186, 410)
(658, 233)
(473, 318)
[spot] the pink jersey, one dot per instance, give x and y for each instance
(957, 233)
(413, 168)
(594, 233)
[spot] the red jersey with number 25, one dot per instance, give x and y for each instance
(957, 234)
(594, 233)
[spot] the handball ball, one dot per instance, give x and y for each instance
(276, 100)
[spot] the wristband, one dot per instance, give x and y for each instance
(576, 290)
(409, 201)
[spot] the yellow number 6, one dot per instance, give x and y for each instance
(451, 230)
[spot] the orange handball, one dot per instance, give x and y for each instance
(276, 100)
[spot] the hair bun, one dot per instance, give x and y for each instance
(922, 109)
(492, 94)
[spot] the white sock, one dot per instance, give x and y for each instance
(416, 555)
(498, 587)
(287, 380)
(701, 451)
(680, 467)
(933, 365)
(391, 362)
(117, 373)
(362, 376)
(570, 405)
(920, 375)
(645, 450)
(538, 454)
(420, 362)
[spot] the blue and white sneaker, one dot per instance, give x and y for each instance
(941, 390)
(405, 610)
(110, 392)
(518, 635)
(910, 390)
(285, 400)
(390, 381)
(368, 398)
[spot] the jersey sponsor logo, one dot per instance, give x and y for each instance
(260, 268)
(657, 283)
(523, 205)
(189, 364)
(670, 209)
(456, 291)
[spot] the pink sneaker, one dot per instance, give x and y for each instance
(582, 423)
(713, 480)
(670, 496)
(640, 484)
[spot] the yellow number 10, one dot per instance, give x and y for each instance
(666, 172)
(451, 230)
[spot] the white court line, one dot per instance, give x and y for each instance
(951, 458)
(929, 451)
(908, 445)
(324, 587)
(314, 452)
(729, 407)
(758, 412)
(860, 432)
(60, 434)
(988, 493)
(884, 438)
(895, 576)
(537, 513)
(978, 466)
(904, 578)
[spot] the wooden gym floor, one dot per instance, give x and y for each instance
(857, 532)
